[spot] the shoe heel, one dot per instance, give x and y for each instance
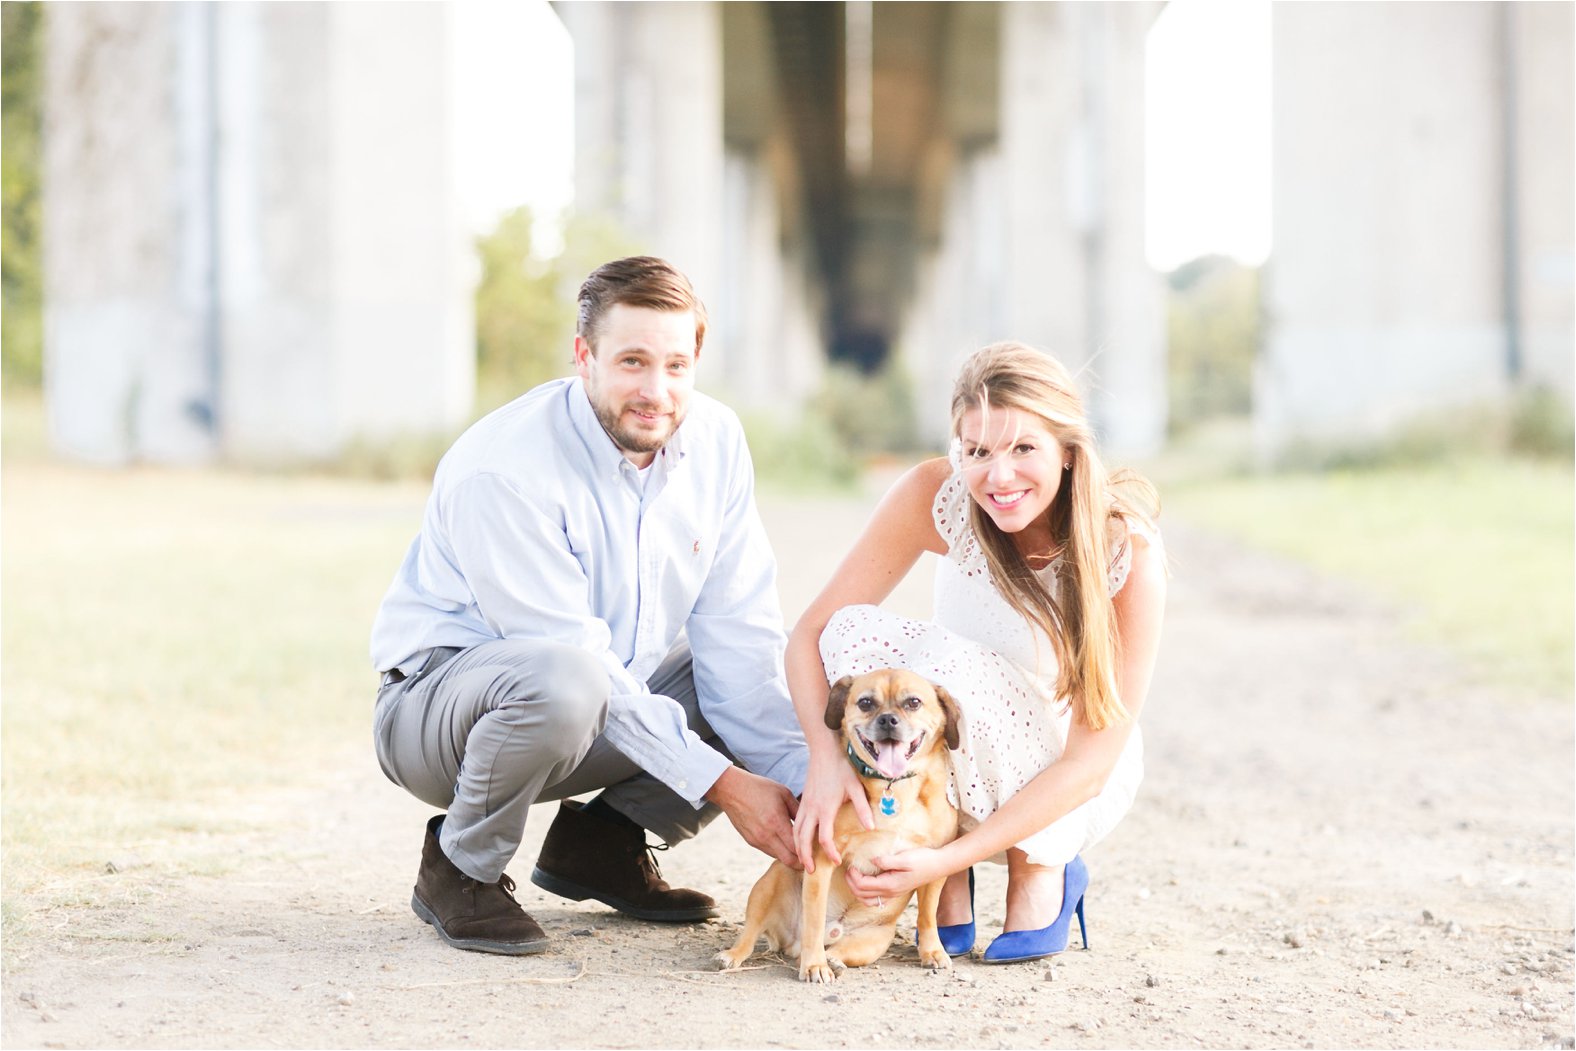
(1017, 946)
(561, 887)
(419, 907)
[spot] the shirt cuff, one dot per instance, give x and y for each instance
(651, 730)
(790, 771)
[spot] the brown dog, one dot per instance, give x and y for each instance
(894, 724)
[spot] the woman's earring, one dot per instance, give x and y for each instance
(1067, 466)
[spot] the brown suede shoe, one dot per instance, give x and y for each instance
(469, 914)
(585, 856)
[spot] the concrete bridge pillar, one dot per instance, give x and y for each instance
(252, 250)
(648, 127)
(1072, 144)
(129, 335)
(1041, 226)
(686, 152)
(1422, 215)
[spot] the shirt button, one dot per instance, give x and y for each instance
(683, 785)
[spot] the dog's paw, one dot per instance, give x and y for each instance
(825, 973)
(935, 960)
(726, 961)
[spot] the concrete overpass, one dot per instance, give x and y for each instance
(885, 182)
(253, 252)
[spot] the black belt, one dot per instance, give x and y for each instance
(433, 659)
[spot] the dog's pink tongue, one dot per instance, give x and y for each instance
(890, 759)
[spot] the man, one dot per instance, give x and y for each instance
(590, 604)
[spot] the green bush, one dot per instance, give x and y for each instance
(1535, 423)
(21, 265)
(524, 323)
(408, 457)
(525, 301)
(1541, 425)
(1213, 333)
(802, 454)
(870, 413)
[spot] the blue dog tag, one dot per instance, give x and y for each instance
(888, 805)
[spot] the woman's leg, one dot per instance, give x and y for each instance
(955, 906)
(1034, 893)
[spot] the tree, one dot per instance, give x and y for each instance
(21, 269)
(525, 302)
(523, 323)
(1213, 332)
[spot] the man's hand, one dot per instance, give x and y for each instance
(761, 810)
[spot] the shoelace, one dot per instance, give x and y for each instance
(651, 857)
(505, 883)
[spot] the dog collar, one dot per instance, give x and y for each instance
(864, 769)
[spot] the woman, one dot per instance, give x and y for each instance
(1049, 599)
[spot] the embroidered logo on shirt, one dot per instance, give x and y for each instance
(697, 547)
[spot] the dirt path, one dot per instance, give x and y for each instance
(1337, 845)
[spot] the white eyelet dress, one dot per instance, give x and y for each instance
(1001, 672)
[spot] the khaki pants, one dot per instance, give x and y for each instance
(485, 732)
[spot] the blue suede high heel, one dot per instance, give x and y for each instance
(958, 938)
(1016, 946)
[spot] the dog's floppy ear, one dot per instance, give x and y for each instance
(836, 701)
(949, 707)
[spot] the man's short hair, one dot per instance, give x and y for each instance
(639, 281)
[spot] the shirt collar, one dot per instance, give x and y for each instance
(674, 448)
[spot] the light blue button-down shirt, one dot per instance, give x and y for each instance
(539, 528)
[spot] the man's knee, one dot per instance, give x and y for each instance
(562, 691)
(578, 685)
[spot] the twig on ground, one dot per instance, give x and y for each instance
(1533, 930)
(141, 955)
(500, 981)
(683, 976)
(741, 967)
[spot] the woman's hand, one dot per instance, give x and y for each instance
(898, 533)
(827, 786)
(900, 873)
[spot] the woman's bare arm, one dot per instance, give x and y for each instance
(900, 530)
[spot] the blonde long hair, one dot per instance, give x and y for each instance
(1078, 618)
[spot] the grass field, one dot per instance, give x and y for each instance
(1477, 553)
(174, 642)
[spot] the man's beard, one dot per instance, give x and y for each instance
(630, 440)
